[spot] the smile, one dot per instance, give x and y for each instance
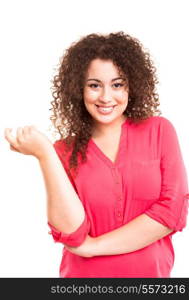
(105, 109)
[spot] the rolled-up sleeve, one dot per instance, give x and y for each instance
(73, 239)
(77, 237)
(171, 208)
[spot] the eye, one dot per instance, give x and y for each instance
(93, 85)
(117, 85)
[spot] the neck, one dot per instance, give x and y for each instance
(101, 130)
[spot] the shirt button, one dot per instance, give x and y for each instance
(119, 199)
(119, 214)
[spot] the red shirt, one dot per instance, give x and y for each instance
(148, 177)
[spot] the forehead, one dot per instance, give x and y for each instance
(102, 70)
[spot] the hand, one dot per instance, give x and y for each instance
(28, 141)
(86, 249)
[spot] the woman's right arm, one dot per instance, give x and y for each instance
(65, 211)
(64, 208)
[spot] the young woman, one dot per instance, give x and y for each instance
(116, 183)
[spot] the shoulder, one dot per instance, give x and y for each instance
(163, 123)
(59, 146)
(62, 145)
(163, 128)
(158, 122)
(63, 150)
(154, 126)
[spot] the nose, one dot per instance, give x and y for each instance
(105, 95)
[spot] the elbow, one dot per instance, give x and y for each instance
(64, 224)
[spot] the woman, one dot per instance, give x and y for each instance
(122, 191)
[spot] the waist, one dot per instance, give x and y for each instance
(155, 260)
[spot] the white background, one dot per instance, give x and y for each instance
(34, 35)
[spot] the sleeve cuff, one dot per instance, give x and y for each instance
(73, 239)
(168, 218)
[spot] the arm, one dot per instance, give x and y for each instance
(64, 208)
(137, 234)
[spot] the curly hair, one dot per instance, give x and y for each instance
(69, 115)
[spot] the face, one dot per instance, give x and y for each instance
(105, 92)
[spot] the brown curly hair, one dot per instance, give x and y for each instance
(70, 117)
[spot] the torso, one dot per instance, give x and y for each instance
(109, 146)
(110, 143)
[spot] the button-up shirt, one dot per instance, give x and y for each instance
(148, 176)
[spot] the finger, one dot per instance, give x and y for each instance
(9, 137)
(32, 127)
(19, 133)
(13, 149)
(26, 130)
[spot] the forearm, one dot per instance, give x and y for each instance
(137, 234)
(64, 208)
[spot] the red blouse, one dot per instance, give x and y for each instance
(148, 177)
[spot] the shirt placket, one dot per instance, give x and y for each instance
(119, 196)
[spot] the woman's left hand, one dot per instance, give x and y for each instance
(86, 249)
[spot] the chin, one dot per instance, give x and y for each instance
(103, 120)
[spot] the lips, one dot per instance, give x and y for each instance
(105, 106)
(105, 109)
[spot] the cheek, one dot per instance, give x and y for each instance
(122, 97)
(90, 97)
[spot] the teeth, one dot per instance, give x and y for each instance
(105, 108)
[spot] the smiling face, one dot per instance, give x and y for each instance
(105, 93)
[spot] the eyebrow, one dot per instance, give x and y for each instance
(94, 79)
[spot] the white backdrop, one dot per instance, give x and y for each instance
(33, 36)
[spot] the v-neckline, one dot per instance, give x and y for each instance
(103, 156)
